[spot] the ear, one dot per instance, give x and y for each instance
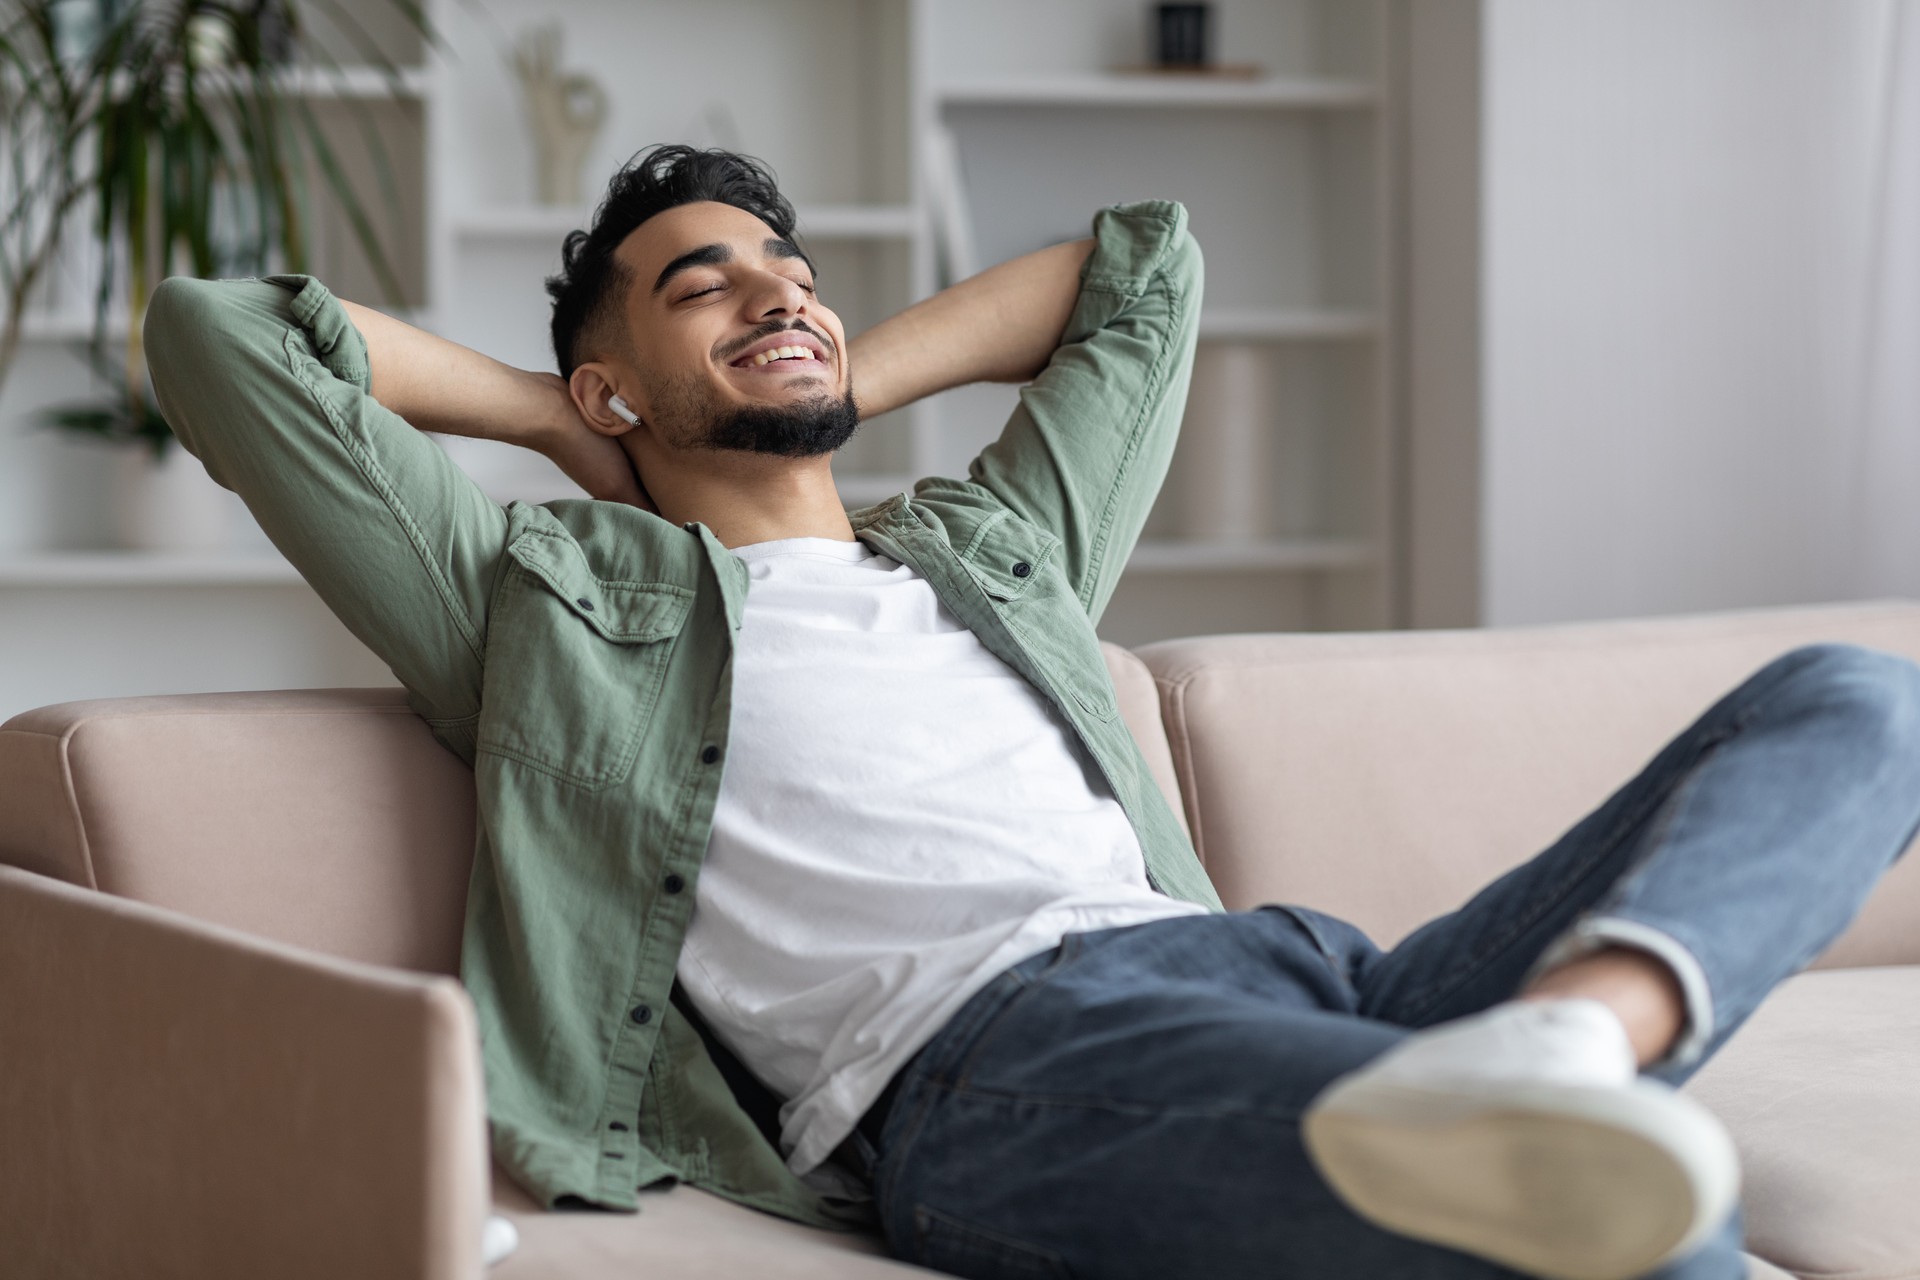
(592, 386)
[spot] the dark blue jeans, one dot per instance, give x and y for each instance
(1128, 1104)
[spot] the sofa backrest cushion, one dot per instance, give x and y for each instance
(1385, 777)
(326, 818)
(330, 819)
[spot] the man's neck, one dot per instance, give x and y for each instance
(749, 500)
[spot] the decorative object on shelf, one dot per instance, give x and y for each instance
(1180, 43)
(167, 502)
(1224, 463)
(1180, 36)
(170, 168)
(565, 111)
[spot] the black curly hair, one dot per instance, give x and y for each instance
(591, 282)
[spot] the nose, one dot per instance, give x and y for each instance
(774, 295)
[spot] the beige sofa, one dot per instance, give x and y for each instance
(229, 1047)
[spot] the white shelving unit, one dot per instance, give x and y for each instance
(1288, 177)
(1288, 180)
(1091, 89)
(146, 569)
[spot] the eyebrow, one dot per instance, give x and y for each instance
(713, 255)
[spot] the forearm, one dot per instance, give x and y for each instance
(1002, 325)
(438, 385)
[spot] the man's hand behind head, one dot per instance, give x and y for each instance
(597, 463)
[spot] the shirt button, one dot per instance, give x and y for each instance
(1022, 569)
(709, 755)
(641, 1014)
(585, 603)
(674, 883)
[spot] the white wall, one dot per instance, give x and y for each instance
(1676, 198)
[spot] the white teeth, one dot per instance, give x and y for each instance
(782, 353)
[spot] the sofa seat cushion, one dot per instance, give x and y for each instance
(684, 1233)
(1821, 1090)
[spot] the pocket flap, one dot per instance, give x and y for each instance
(1008, 554)
(624, 612)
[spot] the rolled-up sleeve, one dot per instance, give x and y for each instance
(266, 383)
(1084, 454)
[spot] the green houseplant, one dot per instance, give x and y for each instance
(178, 137)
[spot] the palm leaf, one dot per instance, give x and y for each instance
(184, 168)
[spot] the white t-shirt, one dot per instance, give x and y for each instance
(902, 818)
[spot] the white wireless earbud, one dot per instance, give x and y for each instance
(620, 410)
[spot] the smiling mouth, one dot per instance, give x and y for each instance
(791, 348)
(793, 359)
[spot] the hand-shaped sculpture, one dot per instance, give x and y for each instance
(566, 112)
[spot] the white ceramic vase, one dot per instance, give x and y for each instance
(1226, 444)
(170, 504)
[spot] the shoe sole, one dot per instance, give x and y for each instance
(1562, 1182)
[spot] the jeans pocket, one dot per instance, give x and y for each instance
(947, 1244)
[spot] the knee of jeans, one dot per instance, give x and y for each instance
(1877, 694)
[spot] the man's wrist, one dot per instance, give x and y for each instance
(549, 415)
(1002, 325)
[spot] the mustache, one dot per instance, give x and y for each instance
(767, 330)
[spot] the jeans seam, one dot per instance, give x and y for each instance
(1121, 1106)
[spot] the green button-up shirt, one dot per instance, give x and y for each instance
(577, 655)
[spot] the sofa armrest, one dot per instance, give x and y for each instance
(183, 1099)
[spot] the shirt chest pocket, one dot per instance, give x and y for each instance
(1015, 564)
(574, 663)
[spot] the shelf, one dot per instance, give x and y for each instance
(817, 222)
(162, 569)
(1281, 324)
(1169, 555)
(66, 329)
(343, 82)
(144, 569)
(1093, 90)
(355, 82)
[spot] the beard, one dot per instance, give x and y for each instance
(804, 430)
(817, 425)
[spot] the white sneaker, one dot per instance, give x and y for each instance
(1525, 1135)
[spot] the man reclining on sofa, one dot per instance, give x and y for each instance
(814, 861)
